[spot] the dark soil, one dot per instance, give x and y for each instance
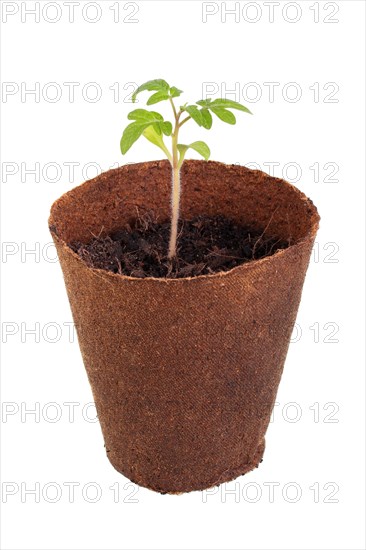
(205, 246)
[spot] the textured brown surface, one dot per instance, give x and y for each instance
(185, 372)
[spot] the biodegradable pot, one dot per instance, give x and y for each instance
(185, 372)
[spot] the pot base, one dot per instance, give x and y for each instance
(228, 475)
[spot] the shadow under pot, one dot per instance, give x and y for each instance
(185, 372)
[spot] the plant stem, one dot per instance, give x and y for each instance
(175, 213)
(176, 188)
(184, 120)
(175, 198)
(173, 107)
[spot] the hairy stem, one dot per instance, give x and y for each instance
(176, 189)
(175, 197)
(175, 213)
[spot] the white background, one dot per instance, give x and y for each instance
(315, 445)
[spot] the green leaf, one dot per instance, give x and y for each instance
(157, 128)
(175, 92)
(138, 114)
(206, 118)
(222, 103)
(152, 85)
(200, 146)
(224, 115)
(142, 119)
(229, 104)
(150, 134)
(195, 113)
(131, 133)
(144, 115)
(182, 148)
(158, 96)
(204, 102)
(167, 127)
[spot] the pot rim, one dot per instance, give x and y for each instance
(245, 266)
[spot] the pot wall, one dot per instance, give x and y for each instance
(185, 372)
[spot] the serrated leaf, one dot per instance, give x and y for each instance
(142, 119)
(137, 114)
(195, 113)
(167, 127)
(204, 102)
(224, 115)
(229, 104)
(150, 134)
(158, 96)
(144, 115)
(206, 118)
(175, 92)
(151, 85)
(131, 133)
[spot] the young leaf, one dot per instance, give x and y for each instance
(167, 127)
(200, 146)
(144, 115)
(142, 119)
(195, 113)
(206, 118)
(157, 128)
(224, 115)
(152, 85)
(158, 96)
(204, 102)
(131, 133)
(150, 134)
(229, 104)
(175, 92)
(222, 103)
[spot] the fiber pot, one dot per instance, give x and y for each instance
(185, 372)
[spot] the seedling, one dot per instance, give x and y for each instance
(153, 127)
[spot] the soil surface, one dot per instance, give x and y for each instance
(205, 246)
